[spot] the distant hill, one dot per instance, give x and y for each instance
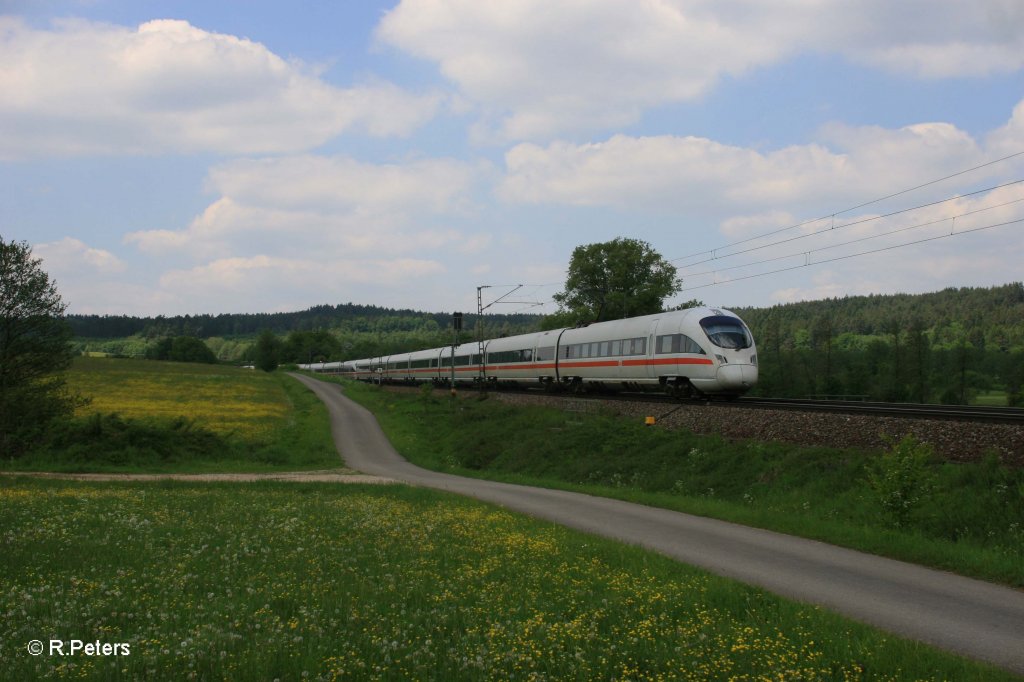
(952, 346)
(987, 318)
(347, 317)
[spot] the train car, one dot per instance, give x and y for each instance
(689, 353)
(466, 360)
(693, 352)
(327, 367)
(425, 365)
(515, 359)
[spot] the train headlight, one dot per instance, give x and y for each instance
(721, 359)
(753, 359)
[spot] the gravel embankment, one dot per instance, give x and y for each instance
(955, 440)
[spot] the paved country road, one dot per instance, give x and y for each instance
(969, 617)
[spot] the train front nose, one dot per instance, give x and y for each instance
(737, 377)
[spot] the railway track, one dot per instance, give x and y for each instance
(968, 413)
(974, 413)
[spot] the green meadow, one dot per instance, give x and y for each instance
(145, 415)
(904, 503)
(225, 400)
(328, 582)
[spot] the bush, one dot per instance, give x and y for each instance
(903, 480)
(113, 439)
(181, 349)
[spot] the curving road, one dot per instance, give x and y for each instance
(969, 617)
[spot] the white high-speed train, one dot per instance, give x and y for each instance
(690, 353)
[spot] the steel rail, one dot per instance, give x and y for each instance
(973, 413)
(970, 413)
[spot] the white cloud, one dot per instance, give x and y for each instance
(274, 283)
(966, 240)
(342, 183)
(71, 257)
(706, 178)
(167, 86)
(1009, 139)
(534, 68)
(744, 226)
(295, 205)
(287, 231)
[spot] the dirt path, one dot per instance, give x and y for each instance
(323, 476)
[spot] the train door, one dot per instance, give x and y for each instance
(649, 350)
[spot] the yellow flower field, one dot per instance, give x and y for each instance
(226, 400)
(332, 583)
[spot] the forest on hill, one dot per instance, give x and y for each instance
(944, 347)
(350, 317)
(323, 332)
(949, 346)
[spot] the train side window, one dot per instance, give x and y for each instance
(546, 353)
(691, 346)
(616, 348)
(604, 349)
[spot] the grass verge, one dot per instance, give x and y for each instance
(301, 581)
(966, 518)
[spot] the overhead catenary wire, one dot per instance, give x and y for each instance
(929, 223)
(831, 216)
(852, 223)
(851, 208)
(808, 262)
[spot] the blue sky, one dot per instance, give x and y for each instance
(179, 157)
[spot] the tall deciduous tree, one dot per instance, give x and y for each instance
(267, 353)
(34, 349)
(616, 279)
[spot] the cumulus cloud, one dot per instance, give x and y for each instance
(1009, 139)
(90, 279)
(276, 283)
(167, 86)
(290, 230)
(970, 240)
(534, 68)
(739, 212)
(704, 177)
(298, 204)
(251, 275)
(72, 257)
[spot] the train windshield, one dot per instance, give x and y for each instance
(726, 332)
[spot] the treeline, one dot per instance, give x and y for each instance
(345, 317)
(355, 338)
(945, 347)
